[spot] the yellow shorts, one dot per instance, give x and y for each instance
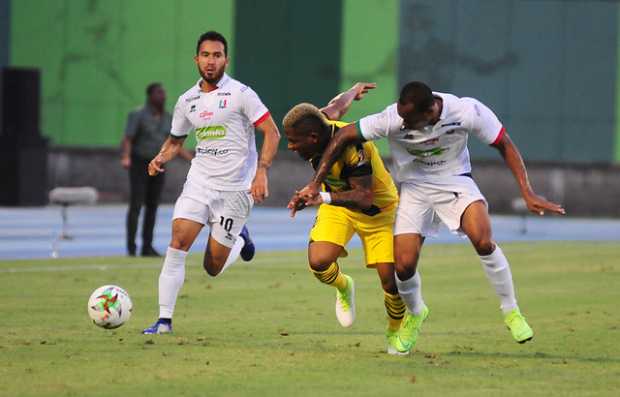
(337, 225)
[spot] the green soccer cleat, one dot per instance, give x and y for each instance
(410, 329)
(395, 345)
(345, 303)
(518, 327)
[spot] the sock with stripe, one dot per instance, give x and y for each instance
(395, 309)
(331, 276)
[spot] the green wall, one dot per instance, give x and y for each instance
(97, 57)
(370, 53)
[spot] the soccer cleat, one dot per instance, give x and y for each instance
(345, 303)
(161, 326)
(410, 328)
(395, 345)
(248, 250)
(518, 327)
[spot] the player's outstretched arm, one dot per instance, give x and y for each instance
(347, 135)
(338, 107)
(514, 161)
(168, 151)
(260, 185)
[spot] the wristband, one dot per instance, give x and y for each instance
(327, 197)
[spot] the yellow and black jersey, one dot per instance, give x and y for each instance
(360, 160)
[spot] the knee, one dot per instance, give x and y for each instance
(319, 262)
(483, 245)
(180, 243)
(406, 264)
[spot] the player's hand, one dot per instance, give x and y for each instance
(260, 188)
(362, 89)
(538, 205)
(295, 204)
(310, 191)
(156, 165)
(126, 162)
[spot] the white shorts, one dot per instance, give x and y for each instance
(425, 205)
(226, 212)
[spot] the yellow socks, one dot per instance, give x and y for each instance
(395, 308)
(332, 276)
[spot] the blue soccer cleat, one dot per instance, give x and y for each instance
(161, 326)
(248, 250)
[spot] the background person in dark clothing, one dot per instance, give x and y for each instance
(147, 129)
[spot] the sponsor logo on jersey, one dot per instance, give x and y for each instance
(211, 132)
(431, 163)
(192, 109)
(206, 115)
(456, 123)
(223, 94)
(212, 151)
(223, 103)
(192, 98)
(436, 151)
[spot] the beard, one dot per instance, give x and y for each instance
(212, 77)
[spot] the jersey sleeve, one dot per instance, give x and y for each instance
(484, 123)
(133, 120)
(252, 106)
(180, 124)
(356, 162)
(375, 126)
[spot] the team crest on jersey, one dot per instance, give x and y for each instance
(223, 103)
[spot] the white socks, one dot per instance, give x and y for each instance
(411, 292)
(234, 253)
(171, 280)
(498, 272)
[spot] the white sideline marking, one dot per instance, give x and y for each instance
(115, 266)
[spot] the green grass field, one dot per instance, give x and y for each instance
(268, 328)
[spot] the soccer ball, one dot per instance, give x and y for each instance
(109, 306)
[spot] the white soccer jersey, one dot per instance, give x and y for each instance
(437, 150)
(223, 121)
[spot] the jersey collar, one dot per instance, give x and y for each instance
(225, 79)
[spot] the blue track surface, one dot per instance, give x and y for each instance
(27, 233)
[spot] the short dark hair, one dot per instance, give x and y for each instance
(152, 87)
(417, 93)
(212, 36)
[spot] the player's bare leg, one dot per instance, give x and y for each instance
(476, 224)
(322, 257)
(394, 307)
(172, 276)
(407, 249)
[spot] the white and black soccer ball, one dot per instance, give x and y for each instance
(109, 306)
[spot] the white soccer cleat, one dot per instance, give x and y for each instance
(345, 304)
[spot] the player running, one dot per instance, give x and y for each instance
(225, 178)
(427, 132)
(359, 197)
